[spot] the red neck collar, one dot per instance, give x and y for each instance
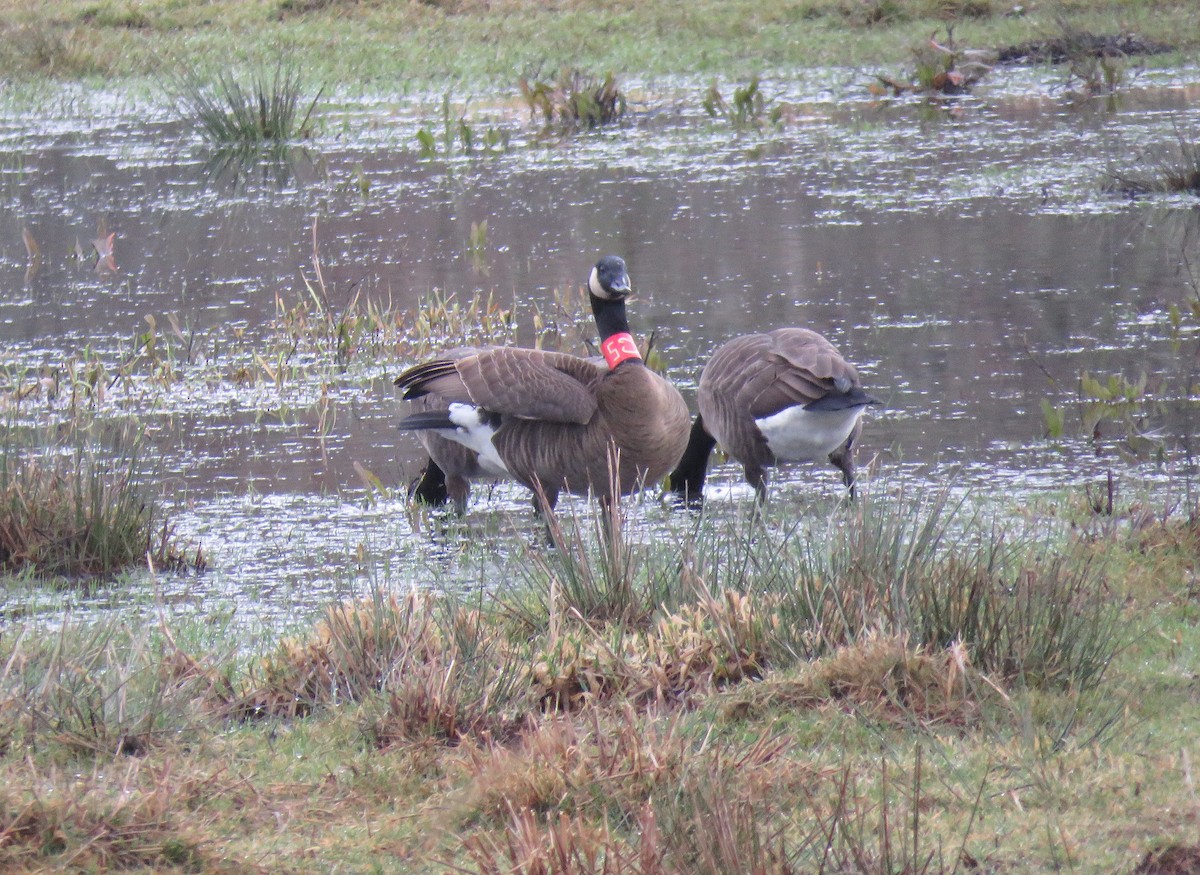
(619, 348)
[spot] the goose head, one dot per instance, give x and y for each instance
(609, 280)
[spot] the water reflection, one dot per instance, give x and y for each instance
(235, 170)
(967, 262)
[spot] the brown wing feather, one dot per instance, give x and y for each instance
(525, 383)
(786, 367)
(808, 351)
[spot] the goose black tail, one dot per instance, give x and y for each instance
(843, 401)
(428, 420)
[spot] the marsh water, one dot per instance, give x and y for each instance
(963, 253)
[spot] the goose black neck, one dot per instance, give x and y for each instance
(610, 316)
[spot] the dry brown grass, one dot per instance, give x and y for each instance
(351, 653)
(123, 815)
(599, 761)
(69, 508)
(584, 786)
(688, 652)
(885, 678)
(443, 673)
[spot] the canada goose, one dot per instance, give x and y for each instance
(784, 396)
(552, 421)
(450, 467)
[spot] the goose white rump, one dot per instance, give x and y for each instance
(798, 435)
(475, 432)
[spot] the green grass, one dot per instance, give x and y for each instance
(397, 47)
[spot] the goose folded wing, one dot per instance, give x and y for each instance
(799, 374)
(810, 354)
(525, 383)
(777, 386)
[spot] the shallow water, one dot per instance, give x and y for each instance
(961, 254)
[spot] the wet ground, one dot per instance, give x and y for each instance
(962, 253)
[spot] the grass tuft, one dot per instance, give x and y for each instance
(44, 48)
(882, 677)
(104, 689)
(70, 507)
(939, 574)
(85, 823)
(1173, 169)
(270, 107)
(444, 674)
(352, 652)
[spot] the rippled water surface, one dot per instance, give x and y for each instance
(963, 255)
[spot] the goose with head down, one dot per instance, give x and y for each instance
(783, 396)
(553, 421)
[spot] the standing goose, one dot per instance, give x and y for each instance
(450, 467)
(552, 421)
(784, 396)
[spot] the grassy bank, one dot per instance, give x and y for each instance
(899, 686)
(398, 46)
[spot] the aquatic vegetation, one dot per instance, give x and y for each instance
(73, 507)
(459, 135)
(1097, 64)
(477, 246)
(574, 100)
(270, 106)
(1116, 409)
(749, 108)
(1174, 168)
(939, 68)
